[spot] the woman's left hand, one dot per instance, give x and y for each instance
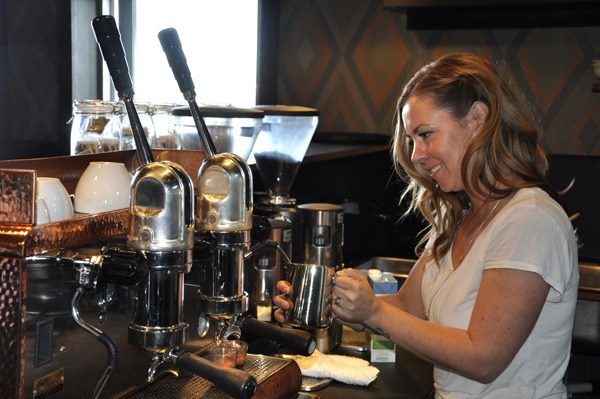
(353, 298)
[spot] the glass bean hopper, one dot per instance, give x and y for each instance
(232, 129)
(280, 148)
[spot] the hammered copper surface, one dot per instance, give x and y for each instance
(77, 231)
(34, 240)
(17, 190)
(189, 386)
(12, 314)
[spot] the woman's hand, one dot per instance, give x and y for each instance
(353, 299)
(281, 301)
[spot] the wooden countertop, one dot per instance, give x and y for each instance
(326, 151)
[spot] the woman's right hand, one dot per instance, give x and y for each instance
(281, 300)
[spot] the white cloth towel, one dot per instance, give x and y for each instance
(346, 369)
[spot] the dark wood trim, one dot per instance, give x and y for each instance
(268, 52)
(3, 73)
(405, 4)
(478, 14)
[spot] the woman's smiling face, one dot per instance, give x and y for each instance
(438, 139)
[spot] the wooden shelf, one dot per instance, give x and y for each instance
(405, 4)
(504, 14)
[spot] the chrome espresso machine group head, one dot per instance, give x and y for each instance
(223, 224)
(161, 228)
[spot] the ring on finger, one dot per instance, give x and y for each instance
(337, 300)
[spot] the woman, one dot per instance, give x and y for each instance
(491, 300)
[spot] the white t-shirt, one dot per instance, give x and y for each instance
(532, 233)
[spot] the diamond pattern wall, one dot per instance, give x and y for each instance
(350, 59)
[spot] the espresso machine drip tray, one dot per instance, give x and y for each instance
(277, 379)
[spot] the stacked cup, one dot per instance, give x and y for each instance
(53, 202)
(103, 187)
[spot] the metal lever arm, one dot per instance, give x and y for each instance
(109, 40)
(169, 40)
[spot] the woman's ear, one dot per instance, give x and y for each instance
(478, 114)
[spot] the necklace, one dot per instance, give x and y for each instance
(462, 256)
(476, 233)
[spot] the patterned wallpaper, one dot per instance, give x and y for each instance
(351, 58)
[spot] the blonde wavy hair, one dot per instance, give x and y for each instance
(506, 153)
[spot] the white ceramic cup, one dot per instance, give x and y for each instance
(55, 197)
(42, 214)
(103, 187)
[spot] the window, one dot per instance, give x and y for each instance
(219, 39)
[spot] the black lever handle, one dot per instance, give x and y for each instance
(109, 40)
(298, 341)
(234, 382)
(169, 40)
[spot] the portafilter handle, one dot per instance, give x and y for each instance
(234, 382)
(109, 40)
(298, 341)
(169, 40)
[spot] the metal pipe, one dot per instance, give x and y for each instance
(110, 345)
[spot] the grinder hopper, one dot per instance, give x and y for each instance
(280, 148)
(231, 129)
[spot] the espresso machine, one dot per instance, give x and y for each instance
(147, 268)
(159, 247)
(225, 228)
(93, 306)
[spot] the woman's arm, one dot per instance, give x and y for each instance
(408, 297)
(507, 306)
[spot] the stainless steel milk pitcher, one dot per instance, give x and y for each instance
(312, 288)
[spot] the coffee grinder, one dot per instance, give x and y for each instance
(322, 242)
(278, 152)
